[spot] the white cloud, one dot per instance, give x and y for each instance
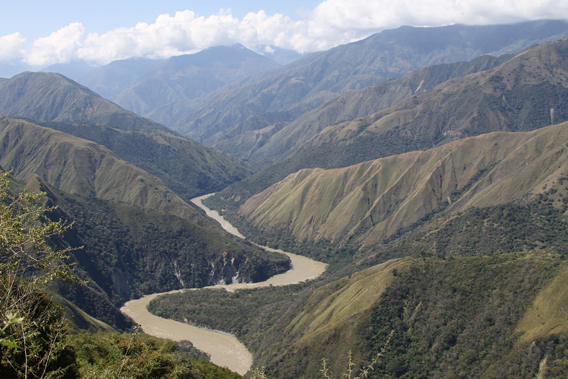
(331, 23)
(12, 47)
(60, 47)
(370, 15)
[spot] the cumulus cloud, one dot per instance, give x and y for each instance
(183, 33)
(12, 47)
(361, 15)
(60, 47)
(331, 23)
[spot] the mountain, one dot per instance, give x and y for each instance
(498, 315)
(317, 78)
(264, 140)
(82, 167)
(368, 202)
(174, 87)
(524, 93)
(520, 94)
(428, 317)
(188, 168)
(138, 237)
(46, 97)
(113, 78)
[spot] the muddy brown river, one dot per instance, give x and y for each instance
(225, 350)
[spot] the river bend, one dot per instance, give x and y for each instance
(225, 350)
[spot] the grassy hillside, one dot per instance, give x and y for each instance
(45, 97)
(186, 167)
(455, 317)
(82, 167)
(527, 92)
(52, 100)
(374, 200)
(265, 140)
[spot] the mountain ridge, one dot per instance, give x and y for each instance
(46, 97)
(175, 85)
(516, 95)
(320, 77)
(374, 200)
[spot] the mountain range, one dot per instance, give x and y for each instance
(114, 202)
(320, 77)
(427, 166)
(188, 168)
(521, 93)
(375, 199)
(173, 88)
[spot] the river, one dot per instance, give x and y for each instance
(225, 350)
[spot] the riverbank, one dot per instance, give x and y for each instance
(224, 349)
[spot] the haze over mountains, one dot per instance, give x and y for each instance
(320, 77)
(392, 159)
(167, 93)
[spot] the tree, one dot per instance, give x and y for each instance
(31, 325)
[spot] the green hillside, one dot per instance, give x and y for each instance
(127, 251)
(265, 140)
(374, 200)
(455, 317)
(45, 97)
(139, 236)
(82, 167)
(186, 167)
(526, 92)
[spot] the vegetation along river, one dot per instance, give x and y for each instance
(225, 349)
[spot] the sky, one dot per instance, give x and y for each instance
(44, 32)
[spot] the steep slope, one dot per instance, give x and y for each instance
(186, 167)
(437, 318)
(82, 167)
(47, 97)
(373, 200)
(125, 251)
(527, 92)
(318, 78)
(168, 92)
(264, 140)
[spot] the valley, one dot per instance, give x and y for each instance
(225, 350)
(393, 207)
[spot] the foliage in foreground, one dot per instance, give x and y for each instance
(32, 334)
(35, 341)
(123, 355)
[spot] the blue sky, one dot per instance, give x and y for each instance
(39, 18)
(41, 32)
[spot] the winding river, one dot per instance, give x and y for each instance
(224, 349)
